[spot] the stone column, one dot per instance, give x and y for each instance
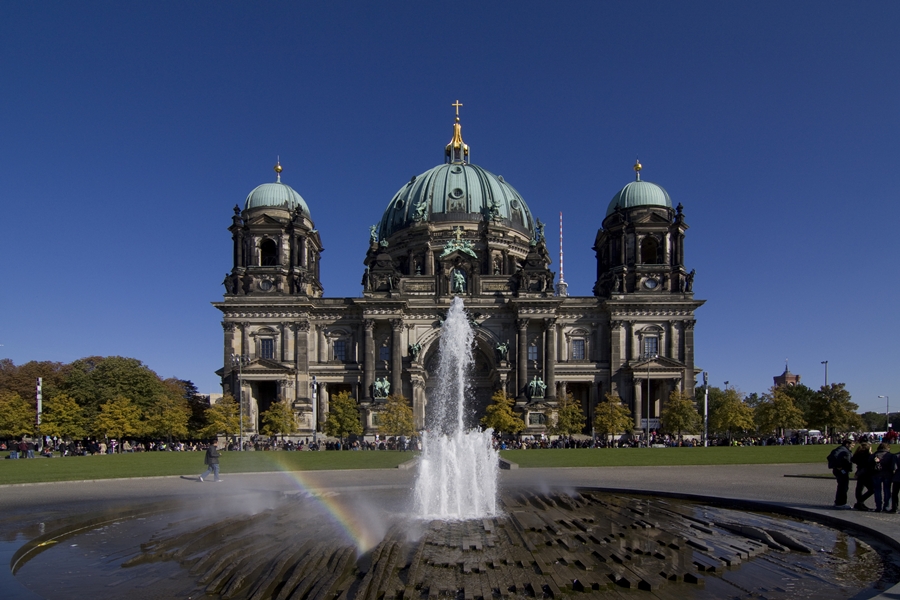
(522, 358)
(396, 356)
(323, 402)
(301, 353)
(617, 352)
(228, 328)
(418, 403)
(638, 404)
(284, 342)
(689, 344)
(550, 358)
(245, 340)
(322, 345)
(429, 260)
(634, 352)
(369, 360)
(303, 252)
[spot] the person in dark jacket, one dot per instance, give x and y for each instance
(882, 466)
(841, 469)
(862, 458)
(895, 484)
(212, 461)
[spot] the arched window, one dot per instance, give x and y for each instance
(649, 251)
(268, 254)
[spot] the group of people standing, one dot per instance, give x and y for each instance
(877, 474)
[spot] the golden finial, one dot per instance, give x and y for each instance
(457, 150)
(278, 170)
(637, 169)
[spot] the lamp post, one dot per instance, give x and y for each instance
(705, 409)
(648, 358)
(238, 361)
(825, 362)
(887, 413)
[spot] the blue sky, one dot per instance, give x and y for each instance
(129, 130)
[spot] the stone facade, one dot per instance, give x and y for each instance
(457, 230)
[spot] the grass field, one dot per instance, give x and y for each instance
(150, 464)
(656, 457)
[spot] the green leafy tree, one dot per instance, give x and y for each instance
(680, 415)
(96, 380)
(611, 417)
(499, 415)
(62, 417)
(17, 416)
(397, 417)
(222, 417)
(197, 403)
(168, 417)
(279, 419)
(118, 418)
(778, 412)
(874, 421)
(343, 417)
(570, 418)
(804, 398)
(22, 379)
(833, 410)
(728, 414)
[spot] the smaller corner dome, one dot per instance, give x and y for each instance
(275, 195)
(639, 193)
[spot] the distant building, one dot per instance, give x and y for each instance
(458, 230)
(786, 378)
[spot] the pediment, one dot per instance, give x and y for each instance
(264, 220)
(660, 363)
(265, 365)
(652, 218)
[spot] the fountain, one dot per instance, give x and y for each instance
(468, 540)
(458, 470)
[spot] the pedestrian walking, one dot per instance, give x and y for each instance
(212, 462)
(840, 463)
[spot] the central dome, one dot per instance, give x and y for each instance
(456, 192)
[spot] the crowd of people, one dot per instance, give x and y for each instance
(877, 474)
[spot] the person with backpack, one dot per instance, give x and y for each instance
(840, 465)
(862, 458)
(882, 466)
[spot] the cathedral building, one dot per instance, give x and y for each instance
(458, 230)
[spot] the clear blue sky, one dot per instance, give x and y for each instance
(129, 130)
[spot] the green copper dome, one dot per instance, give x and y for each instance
(639, 193)
(275, 195)
(456, 191)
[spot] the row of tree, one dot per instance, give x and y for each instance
(781, 408)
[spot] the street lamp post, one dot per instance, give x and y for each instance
(887, 413)
(705, 409)
(825, 362)
(238, 361)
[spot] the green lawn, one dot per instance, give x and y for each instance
(655, 457)
(150, 464)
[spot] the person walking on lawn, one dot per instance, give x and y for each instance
(212, 461)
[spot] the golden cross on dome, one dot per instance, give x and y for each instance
(458, 231)
(457, 104)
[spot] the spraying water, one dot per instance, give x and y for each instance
(458, 468)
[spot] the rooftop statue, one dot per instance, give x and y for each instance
(373, 234)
